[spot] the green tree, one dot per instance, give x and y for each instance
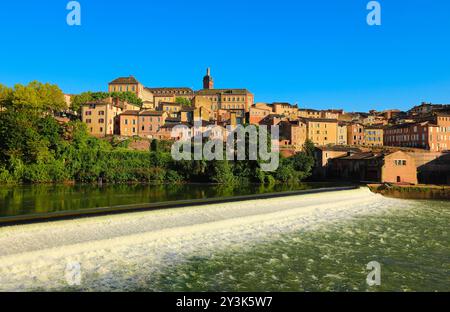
(37, 97)
(183, 101)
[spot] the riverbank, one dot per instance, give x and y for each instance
(434, 192)
(124, 252)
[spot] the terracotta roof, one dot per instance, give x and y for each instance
(318, 120)
(339, 148)
(151, 113)
(362, 156)
(171, 91)
(130, 113)
(124, 80)
(223, 91)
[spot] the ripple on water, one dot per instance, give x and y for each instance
(410, 241)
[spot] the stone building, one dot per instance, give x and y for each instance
(130, 84)
(433, 135)
(373, 136)
(142, 123)
(321, 131)
(355, 134)
(294, 132)
(169, 95)
(342, 133)
(101, 117)
(258, 112)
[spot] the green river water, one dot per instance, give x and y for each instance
(411, 243)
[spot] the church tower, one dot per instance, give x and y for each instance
(208, 82)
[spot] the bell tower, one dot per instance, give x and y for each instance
(208, 82)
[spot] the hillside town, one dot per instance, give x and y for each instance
(377, 146)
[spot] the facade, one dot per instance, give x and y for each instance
(321, 131)
(323, 155)
(309, 113)
(342, 133)
(169, 95)
(238, 101)
(295, 132)
(373, 136)
(258, 112)
(285, 109)
(355, 134)
(430, 135)
(396, 167)
(101, 117)
(130, 84)
(142, 123)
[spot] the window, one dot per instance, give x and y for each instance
(101, 113)
(101, 120)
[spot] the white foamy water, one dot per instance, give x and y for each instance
(120, 252)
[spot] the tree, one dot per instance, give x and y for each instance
(35, 97)
(309, 148)
(183, 101)
(5, 96)
(87, 97)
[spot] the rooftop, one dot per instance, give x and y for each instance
(223, 91)
(125, 80)
(171, 90)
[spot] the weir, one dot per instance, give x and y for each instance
(148, 241)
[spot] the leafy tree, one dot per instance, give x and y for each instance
(183, 101)
(309, 148)
(87, 97)
(36, 97)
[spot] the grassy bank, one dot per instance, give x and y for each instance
(412, 191)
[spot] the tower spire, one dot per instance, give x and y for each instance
(208, 82)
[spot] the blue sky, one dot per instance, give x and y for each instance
(319, 54)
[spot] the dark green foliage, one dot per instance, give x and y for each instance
(86, 97)
(183, 101)
(35, 148)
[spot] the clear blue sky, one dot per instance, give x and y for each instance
(319, 54)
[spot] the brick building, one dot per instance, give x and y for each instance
(295, 132)
(395, 167)
(373, 136)
(355, 134)
(142, 123)
(430, 135)
(101, 117)
(321, 131)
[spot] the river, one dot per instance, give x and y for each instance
(313, 242)
(49, 198)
